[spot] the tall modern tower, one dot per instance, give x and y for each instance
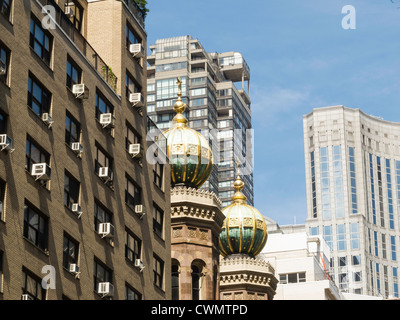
(215, 88)
(353, 196)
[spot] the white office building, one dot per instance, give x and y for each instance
(352, 163)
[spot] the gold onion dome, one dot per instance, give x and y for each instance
(188, 151)
(244, 230)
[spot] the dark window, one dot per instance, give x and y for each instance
(5, 8)
(292, 278)
(132, 137)
(101, 274)
(101, 215)
(39, 98)
(158, 271)
(133, 247)
(103, 160)
(1, 271)
(72, 129)
(5, 60)
(131, 294)
(175, 282)
(158, 174)
(131, 85)
(40, 40)
(102, 106)
(35, 226)
(133, 193)
(196, 276)
(158, 220)
(71, 190)
(74, 73)
(76, 15)
(342, 261)
(70, 251)
(131, 36)
(2, 198)
(35, 154)
(3, 123)
(32, 285)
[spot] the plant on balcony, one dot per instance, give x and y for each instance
(142, 4)
(110, 77)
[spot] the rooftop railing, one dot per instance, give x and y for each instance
(81, 43)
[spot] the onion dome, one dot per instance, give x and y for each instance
(188, 151)
(244, 230)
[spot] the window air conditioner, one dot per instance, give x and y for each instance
(106, 230)
(136, 99)
(105, 174)
(137, 50)
(105, 289)
(69, 12)
(135, 150)
(140, 210)
(76, 208)
(77, 147)
(74, 268)
(139, 264)
(47, 119)
(107, 119)
(5, 143)
(80, 91)
(41, 171)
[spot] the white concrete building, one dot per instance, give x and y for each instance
(300, 263)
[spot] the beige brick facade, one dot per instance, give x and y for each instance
(104, 25)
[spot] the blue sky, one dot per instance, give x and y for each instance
(300, 58)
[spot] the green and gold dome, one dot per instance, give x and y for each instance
(188, 151)
(244, 230)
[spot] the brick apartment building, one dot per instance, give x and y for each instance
(74, 180)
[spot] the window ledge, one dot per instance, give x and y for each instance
(109, 183)
(109, 241)
(42, 185)
(77, 155)
(41, 61)
(7, 19)
(159, 237)
(71, 274)
(6, 83)
(46, 252)
(159, 289)
(158, 187)
(39, 117)
(132, 209)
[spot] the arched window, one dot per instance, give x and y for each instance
(175, 281)
(196, 283)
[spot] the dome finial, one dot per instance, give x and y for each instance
(238, 185)
(180, 106)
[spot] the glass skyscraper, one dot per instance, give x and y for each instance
(353, 196)
(215, 87)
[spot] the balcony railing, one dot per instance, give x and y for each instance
(81, 43)
(136, 11)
